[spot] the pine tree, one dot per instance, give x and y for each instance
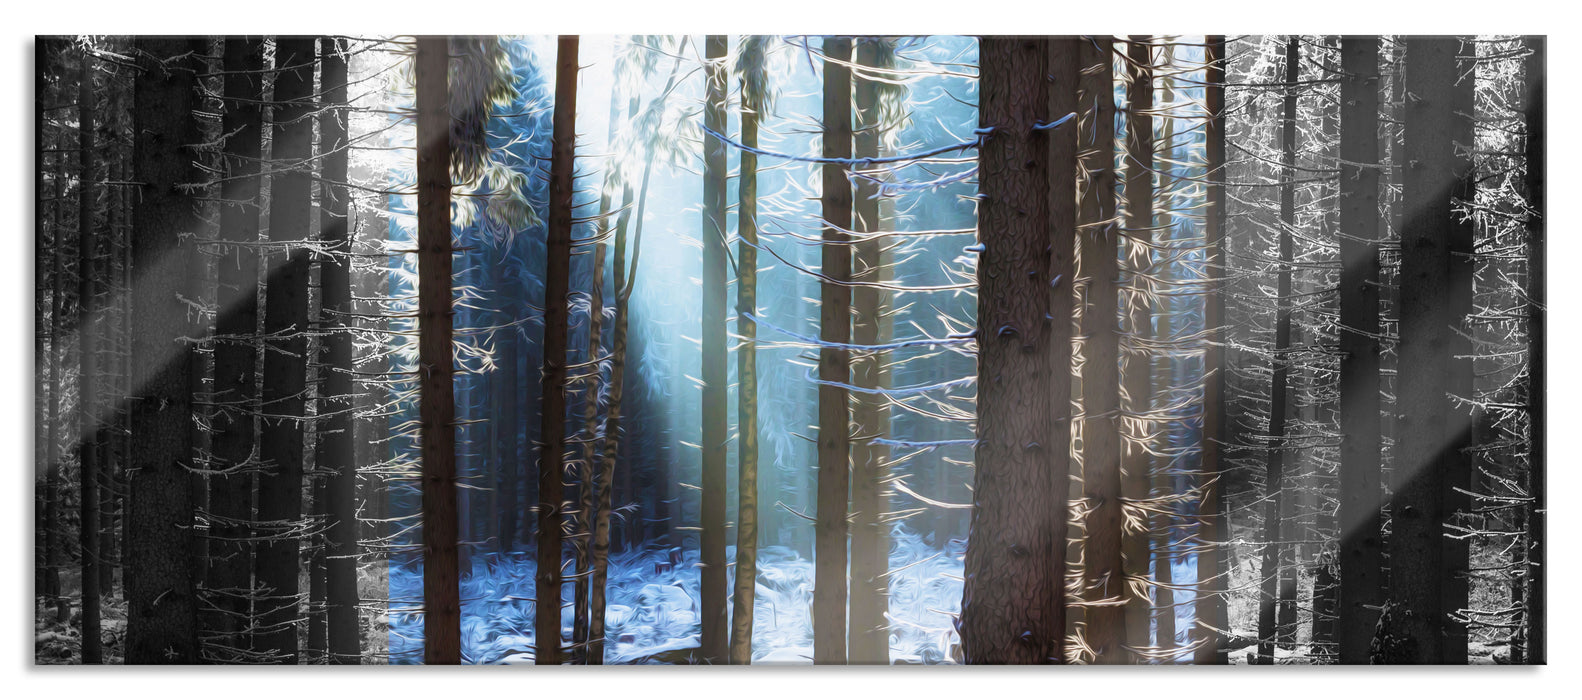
(754, 104)
(1361, 562)
(1136, 369)
(284, 382)
(834, 366)
(869, 637)
(88, 378)
(1103, 573)
(335, 447)
(1276, 503)
(1415, 629)
(1209, 603)
(716, 49)
(551, 461)
(437, 403)
(162, 610)
(1537, 336)
(228, 579)
(1013, 599)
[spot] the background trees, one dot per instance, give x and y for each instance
(977, 394)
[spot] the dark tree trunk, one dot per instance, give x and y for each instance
(715, 390)
(43, 391)
(1274, 553)
(869, 636)
(1136, 370)
(437, 402)
(284, 382)
(162, 610)
(551, 460)
(1537, 336)
(834, 367)
(1104, 577)
(88, 428)
(336, 457)
(53, 527)
(1361, 561)
(1461, 423)
(1209, 603)
(229, 575)
(1425, 448)
(1013, 600)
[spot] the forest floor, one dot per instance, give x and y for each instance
(654, 604)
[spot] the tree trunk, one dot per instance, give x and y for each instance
(437, 402)
(284, 382)
(336, 456)
(162, 619)
(1013, 600)
(1104, 577)
(88, 429)
(621, 283)
(229, 575)
(1274, 553)
(1537, 336)
(53, 545)
(43, 389)
(714, 359)
(834, 367)
(1426, 446)
(869, 634)
(1361, 561)
(745, 585)
(1136, 370)
(587, 510)
(1209, 601)
(551, 459)
(1459, 381)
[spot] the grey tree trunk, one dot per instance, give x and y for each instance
(284, 382)
(1361, 562)
(162, 610)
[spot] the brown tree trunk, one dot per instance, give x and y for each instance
(1209, 603)
(745, 584)
(714, 359)
(1104, 576)
(1013, 600)
(437, 398)
(834, 367)
(552, 458)
(869, 636)
(1136, 370)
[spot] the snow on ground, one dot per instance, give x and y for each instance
(654, 606)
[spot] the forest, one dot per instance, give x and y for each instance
(746, 349)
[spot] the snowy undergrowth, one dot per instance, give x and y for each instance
(654, 605)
